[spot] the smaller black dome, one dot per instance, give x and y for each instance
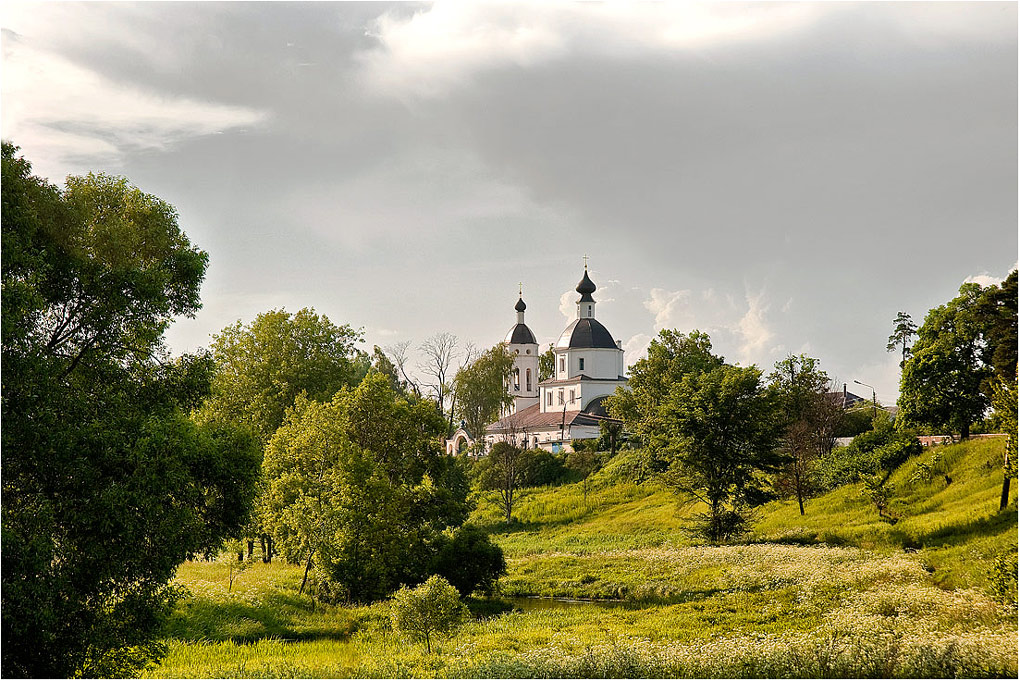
(520, 306)
(586, 287)
(520, 334)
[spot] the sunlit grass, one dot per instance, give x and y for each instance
(872, 601)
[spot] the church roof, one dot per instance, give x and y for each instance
(520, 306)
(586, 287)
(533, 418)
(520, 333)
(586, 333)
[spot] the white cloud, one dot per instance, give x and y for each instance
(568, 305)
(61, 112)
(753, 328)
(667, 307)
(443, 46)
(636, 347)
(986, 279)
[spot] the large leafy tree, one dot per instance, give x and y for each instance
(481, 388)
(107, 485)
(261, 367)
(722, 429)
(942, 383)
(812, 418)
(358, 489)
(671, 357)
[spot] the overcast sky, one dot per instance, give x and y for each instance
(785, 177)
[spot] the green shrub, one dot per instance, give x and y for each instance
(469, 560)
(879, 450)
(1002, 578)
(427, 611)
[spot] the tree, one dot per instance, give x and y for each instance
(903, 331)
(812, 417)
(721, 430)
(263, 366)
(399, 353)
(481, 388)
(1004, 401)
(107, 485)
(941, 386)
(469, 559)
(504, 470)
(381, 364)
(670, 358)
(428, 611)
(439, 351)
(358, 490)
(611, 435)
(547, 364)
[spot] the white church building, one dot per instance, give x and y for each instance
(588, 366)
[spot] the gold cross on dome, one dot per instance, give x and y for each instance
(586, 261)
(520, 288)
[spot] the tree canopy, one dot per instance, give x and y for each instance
(961, 347)
(107, 485)
(263, 366)
(481, 389)
(358, 489)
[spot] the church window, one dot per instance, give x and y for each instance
(573, 397)
(581, 362)
(563, 363)
(548, 398)
(559, 396)
(517, 379)
(527, 379)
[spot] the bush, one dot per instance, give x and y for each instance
(1002, 577)
(469, 560)
(543, 468)
(430, 610)
(880, 449)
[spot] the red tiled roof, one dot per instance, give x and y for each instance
(533, 418)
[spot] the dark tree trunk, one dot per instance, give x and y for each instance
(304, 580)
(251, 548)
(800, 502)
(965, 431)
(1004, 499)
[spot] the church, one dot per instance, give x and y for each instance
(588, 367)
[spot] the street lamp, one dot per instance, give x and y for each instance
(874, 400)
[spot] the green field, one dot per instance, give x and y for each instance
(835, 593)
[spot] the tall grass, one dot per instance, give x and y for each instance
(835, 593)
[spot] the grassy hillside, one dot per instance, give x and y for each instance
(835, 593)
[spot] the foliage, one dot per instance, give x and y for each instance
(428, 611)
(961, 347)
(856, 419)
(263, 366)
(1004, 401)
(1002, 578)
(903, 330)
(481, 389)
(670, 357)
(722, 428)
(503, 470)
(881, 449)
(811, 416)
(107, 485)
(469, 560)
(358, 489)
(547, 364)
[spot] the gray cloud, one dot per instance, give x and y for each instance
(786, 176)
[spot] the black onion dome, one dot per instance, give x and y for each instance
(520, 306)
(586, 287)
(521, 334)
(586, 333)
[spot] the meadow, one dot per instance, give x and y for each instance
(834, 593)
